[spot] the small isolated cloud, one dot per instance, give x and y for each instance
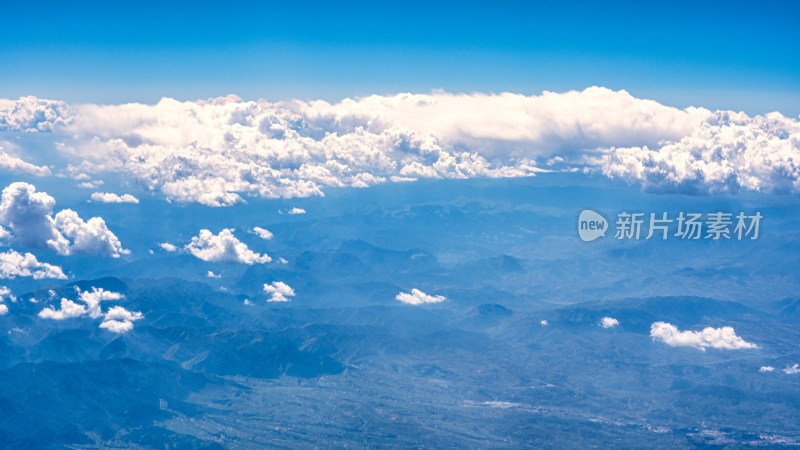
(69, 310)
(29, 214)
(791, 370)
(279, 291)
(417, 297)
(3, 309)
(283, 261)
(13, 264)
(262, 233)
(117, 326)
(608, 322)
(765, 369)
(167, 246)
(297, 211)
(720, 338)
(211, 274)
(108, 197)
(5, 293)
(544, 323)
(223, 247)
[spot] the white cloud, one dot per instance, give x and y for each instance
(17, 165)
(91, 237)
(283, 261)
(417, 297)
(13, 264)
(215, 151)
(543, 323)
(108, 197)
(168, 247)
(120, 313)
(211, 274)
(3, 309)
(94, 297)
(721, 338)
(262, 233)
(791, 370)
(608, 322)
(223, 247)
(69, 310)
(5, 292)
(765, 369)
(297, 211)
(279, 291)
(29, 215)
(117, 326)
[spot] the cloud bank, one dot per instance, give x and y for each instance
(721, 338)
(219, 151)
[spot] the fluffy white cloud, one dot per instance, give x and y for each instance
(217, 151)
(69, 310)
(16, 164)
(278, 291)
(93, 298)
(262, 233)
(30, 114)
(211, 274)
(29, 215)
(108, 197)
(608, 322)
(721, 338)
(543, 323)
(297, 211)
(120, 313)
(117, 326)
(791, 370)
(13, 264)
(168, 247)
(5, 292)
(91, 237)
(3, 309)
(417, 297)
(223, 247)
(765, 369)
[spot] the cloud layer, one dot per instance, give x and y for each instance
(218, 152)
(721, 338)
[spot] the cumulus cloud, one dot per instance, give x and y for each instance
(3, 309)
(116, 319)
(211, 274)
(29, 215)
(215, 152)
(69, 310)
(417, 297)
(108, 197)
(13, 264)
(791, 370)
(297, 211)
(766, 369)
(543, 323)
(5, 293)
(223, 247)
(262, 233)
(168, 247)
(278, 291)
(721, 338)
(608, 322)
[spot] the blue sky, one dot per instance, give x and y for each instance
(720, 55)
